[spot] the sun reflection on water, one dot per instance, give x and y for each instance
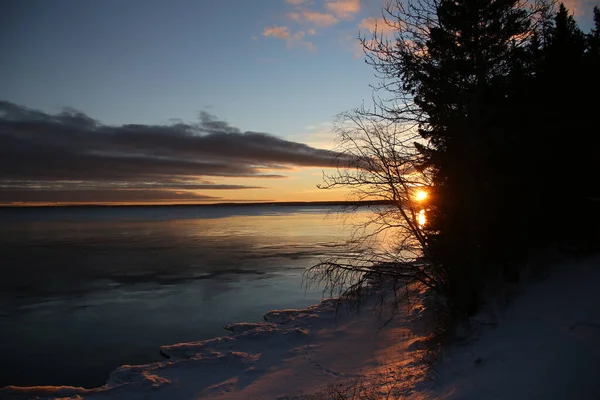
(421, 218)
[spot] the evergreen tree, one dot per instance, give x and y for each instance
(593, 38)
(590, 87)
(464, 89)
(564, 130)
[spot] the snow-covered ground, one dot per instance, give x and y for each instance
(546, 346)
(292, 353)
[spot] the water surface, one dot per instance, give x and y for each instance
(85, 290)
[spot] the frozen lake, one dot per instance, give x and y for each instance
(85, 290)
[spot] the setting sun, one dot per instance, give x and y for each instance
(421, 195)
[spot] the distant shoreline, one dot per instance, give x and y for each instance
(226, 204)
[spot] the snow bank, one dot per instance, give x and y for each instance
(294, 352)
(546, 345)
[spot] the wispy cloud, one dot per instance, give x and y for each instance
(280, 32)
(378, 25)
(70, 152)
(313, 17)
(99, 196)
(298, 2)
(292, 40)
(346, 9)
(309, 15)
(580, 8)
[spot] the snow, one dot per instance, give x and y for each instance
(291, 353)
(546, 345)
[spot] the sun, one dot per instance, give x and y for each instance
(421, 195)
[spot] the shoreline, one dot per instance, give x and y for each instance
(300, 343)
(543, 344)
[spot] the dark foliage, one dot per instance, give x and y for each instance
(512, 139)
(503, 97)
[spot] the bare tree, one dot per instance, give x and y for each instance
(380, 162)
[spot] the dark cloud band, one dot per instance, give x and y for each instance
(39, 150)
(101, 196)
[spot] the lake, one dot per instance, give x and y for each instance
(87, 289)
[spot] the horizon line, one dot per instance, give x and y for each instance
(224, 204)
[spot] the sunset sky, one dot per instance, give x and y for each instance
(178, 101)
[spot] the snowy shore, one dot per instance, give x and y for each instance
(292, 353)
(545, 345)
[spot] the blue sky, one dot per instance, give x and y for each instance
(281, 67)
(149, 61)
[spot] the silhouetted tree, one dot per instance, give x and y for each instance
(460, 83)
(593, 38)
(379, 162)
(562, 144)
(495, 90)
(590, 87)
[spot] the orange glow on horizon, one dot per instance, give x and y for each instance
(299, 185)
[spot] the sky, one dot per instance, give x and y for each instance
(180, 100)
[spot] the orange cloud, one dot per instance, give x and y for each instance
(376, 25)
(344, 8)
(313, 17)
(579, 8)
(297, 39)
(281, 32)
(304, 13)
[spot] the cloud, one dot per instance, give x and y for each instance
(281, 32)
(345, 9)
(581, 8)
(313, 17)
(297, 39)
(163, 184)
(101, 196)
(309, 17)
(61, 152)
(378, 25)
